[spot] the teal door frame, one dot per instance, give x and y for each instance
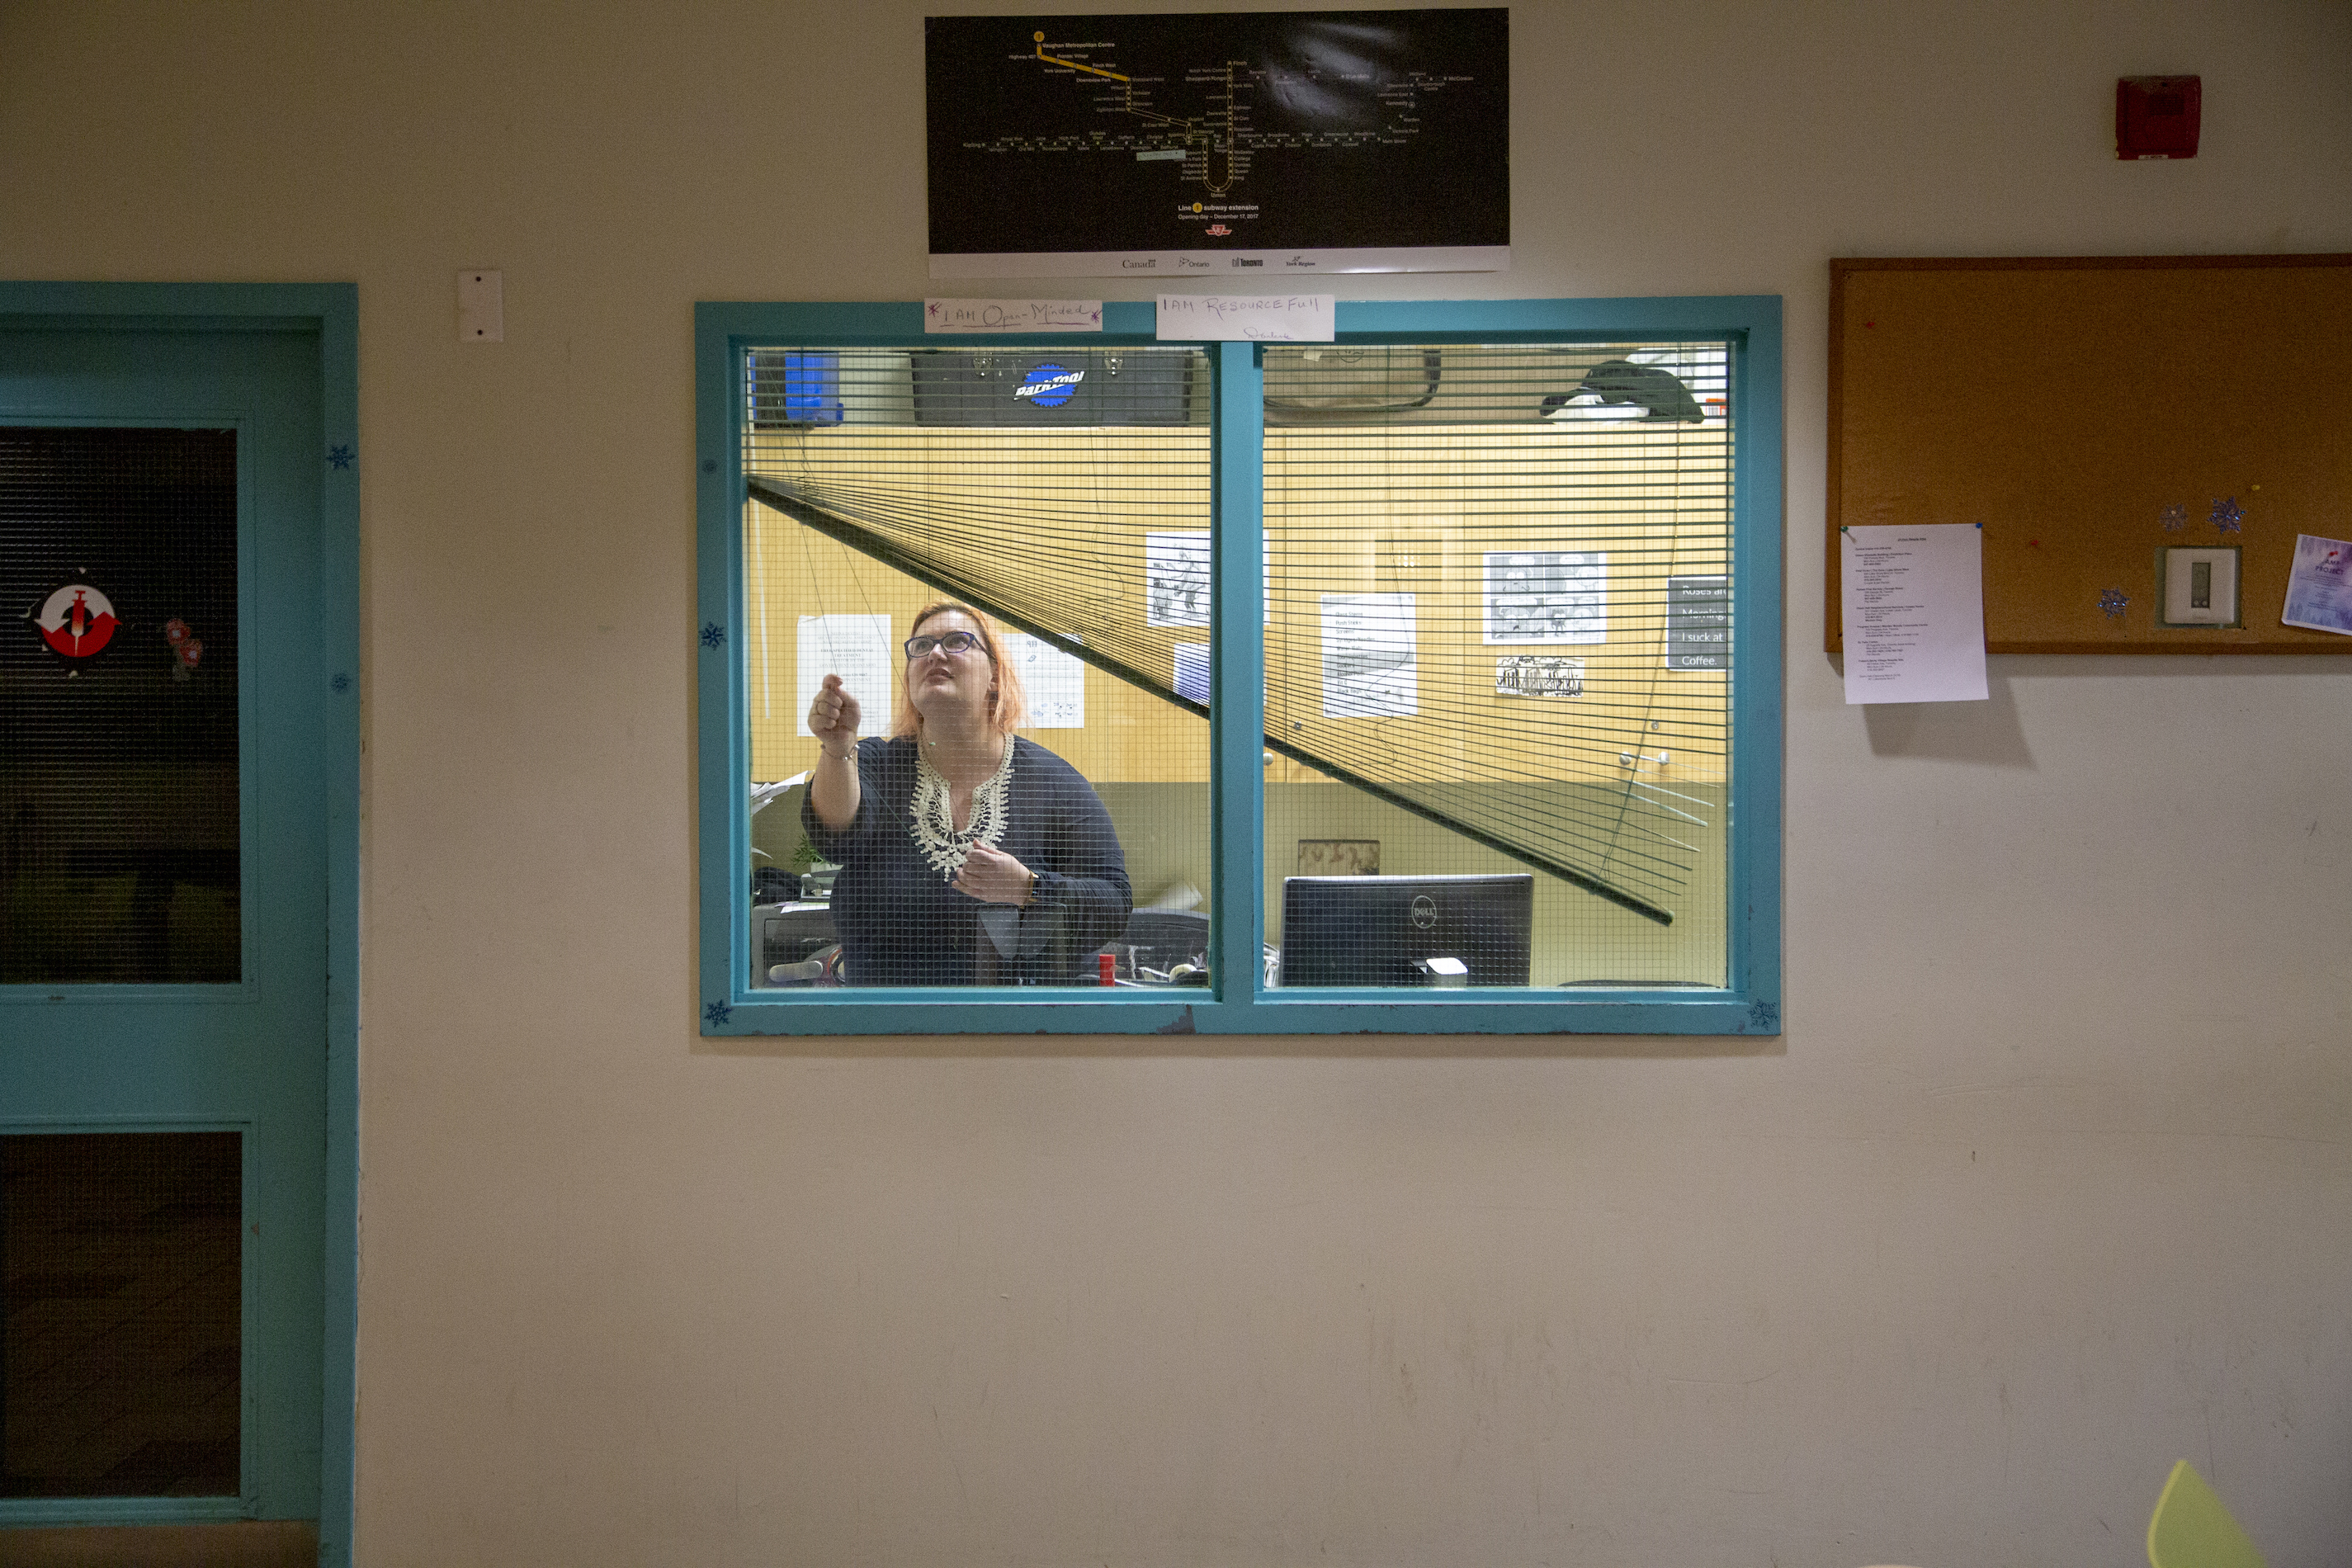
(331, 312)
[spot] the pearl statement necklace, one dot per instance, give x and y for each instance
(933, 819)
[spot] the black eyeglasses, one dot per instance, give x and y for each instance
(954, 642)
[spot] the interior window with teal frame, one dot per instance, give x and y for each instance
(1427, 680)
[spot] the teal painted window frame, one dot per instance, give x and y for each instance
(331, 311)
(1240, 1004)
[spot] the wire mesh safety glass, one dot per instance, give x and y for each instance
(120, 1314)
(1497, 652)
(1060, 503)
(120, 811)
(1497, 663)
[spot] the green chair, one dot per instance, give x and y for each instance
(2190, 1529)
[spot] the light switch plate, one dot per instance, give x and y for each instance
(481, 307)
(2198, 586)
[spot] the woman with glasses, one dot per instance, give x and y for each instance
(968, 855)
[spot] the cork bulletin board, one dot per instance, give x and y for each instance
(2089, 412)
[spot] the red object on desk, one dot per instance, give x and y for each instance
(1108, 965)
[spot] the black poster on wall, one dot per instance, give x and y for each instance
(1240, 146)
(1698, 623)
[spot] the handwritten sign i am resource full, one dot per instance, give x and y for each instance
(1247, 318)
(1914, 613)
(983, 316)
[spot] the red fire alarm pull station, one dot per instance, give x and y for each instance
(2157, 116)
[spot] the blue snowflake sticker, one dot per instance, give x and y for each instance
(340, 456)
(2112, 601)
(2227, 513)
(713, 634)
(341, 683)
(1764, 1018)
(2174, 515)
(717, 1013)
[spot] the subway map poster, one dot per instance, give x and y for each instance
(1239, 146)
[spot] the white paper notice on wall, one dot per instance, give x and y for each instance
(1369, 667)
(1176, 579)
(1055, 682)
(1914, 613)
(1546, 596)
(1012, 316)
(854, 648)
(1247, 318)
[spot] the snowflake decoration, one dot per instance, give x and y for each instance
(340, 457)
(341, 683)
(2227, 513)
(1764, 1018)
(710, 465)
(2112, 601)
(716, 1013)
(713, 634)
(2174, 515)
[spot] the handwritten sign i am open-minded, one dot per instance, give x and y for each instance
(1246, 318)
(1013, 315)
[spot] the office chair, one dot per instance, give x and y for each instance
(2190, 1529)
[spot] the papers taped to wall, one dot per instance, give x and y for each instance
(1369, 669)
(1539, 675)
(1913, 607)
(1546, 596)
(1054, 681)
(1176, 579)
(854, 648)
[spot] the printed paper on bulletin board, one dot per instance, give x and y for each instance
(2089, 413)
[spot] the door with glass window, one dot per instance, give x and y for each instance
(162, 924)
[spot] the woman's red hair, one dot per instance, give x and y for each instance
(1008, 704)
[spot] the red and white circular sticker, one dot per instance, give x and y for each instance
(77, 620)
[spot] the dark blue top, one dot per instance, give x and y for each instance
(901, 924)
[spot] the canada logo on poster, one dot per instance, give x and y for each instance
(77, 620)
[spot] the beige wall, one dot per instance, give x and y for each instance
(2048, 1184)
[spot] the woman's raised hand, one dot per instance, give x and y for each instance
(992, 876)
(834, 716)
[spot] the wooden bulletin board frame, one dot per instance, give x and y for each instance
(2064, 403)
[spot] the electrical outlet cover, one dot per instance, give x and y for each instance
(481, 307)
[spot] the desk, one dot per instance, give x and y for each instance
(790, 932)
